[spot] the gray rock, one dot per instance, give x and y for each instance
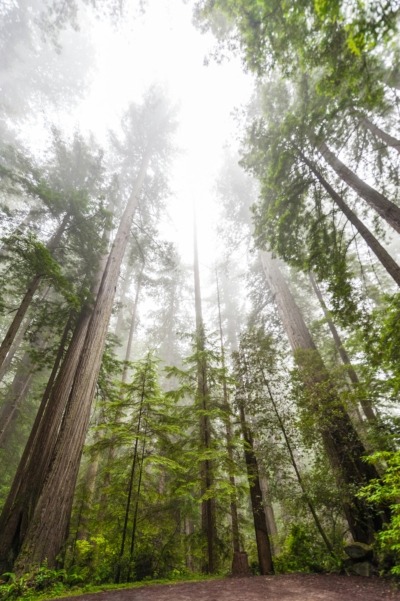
(358, 551)
(361, 568)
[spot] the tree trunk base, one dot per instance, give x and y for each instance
(240, 564)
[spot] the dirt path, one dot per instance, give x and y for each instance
(292, 587)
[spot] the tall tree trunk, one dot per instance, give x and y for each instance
(128, 352)
(15, 397)
(136, 510)
(92, 469)
(297, 471)
(269, 511)
(13, 349)
(342, 444)
(382, 135)
(48, 528)
(132, 327)
(365, 403)
(228, 430)
(259, 518)
(26, 301)
(384, 257)
(28, 481)
(208, 523)
(131, 481)
(382, 205)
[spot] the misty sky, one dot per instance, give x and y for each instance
(113, 64)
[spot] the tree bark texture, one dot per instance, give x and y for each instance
(259, 518)
(382, 205)
(381, 253)
(32, 468)
(382, 135)
(48, 529)
(342, 444)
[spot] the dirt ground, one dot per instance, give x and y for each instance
(292, 587)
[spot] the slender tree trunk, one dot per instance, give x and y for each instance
(260, 522)
(15, 397)
(365, 403)
(92, 469)
(229, 445)
(342, 444)
(131, 481)
(48, 528)
(382, 135)
(13, 349)
(26, 301)
(132, 327)
(297, 471)
(269, 511)
(128, 352)
(384, 257)
(136, 510)
(208, 523)
(382, 205)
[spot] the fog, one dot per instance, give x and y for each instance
(199, 309)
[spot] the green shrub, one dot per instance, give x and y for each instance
(386, 491)
(301, 552)
(39, 580)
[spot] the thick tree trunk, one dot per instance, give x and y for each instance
(382, 205)
(382, 135)
(342, 444)
(365, 403)
(384, 257)
(208, 519)
(48, 528)
(26, 301)
(259, 518)
(36, 457)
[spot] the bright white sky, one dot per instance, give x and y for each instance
(163, 45)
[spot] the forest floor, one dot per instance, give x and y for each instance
(289, 587)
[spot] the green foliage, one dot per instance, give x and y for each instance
(42, 580)
(386, 492)
(302, 551)
(93, 560)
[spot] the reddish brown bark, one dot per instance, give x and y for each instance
(49, 526)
